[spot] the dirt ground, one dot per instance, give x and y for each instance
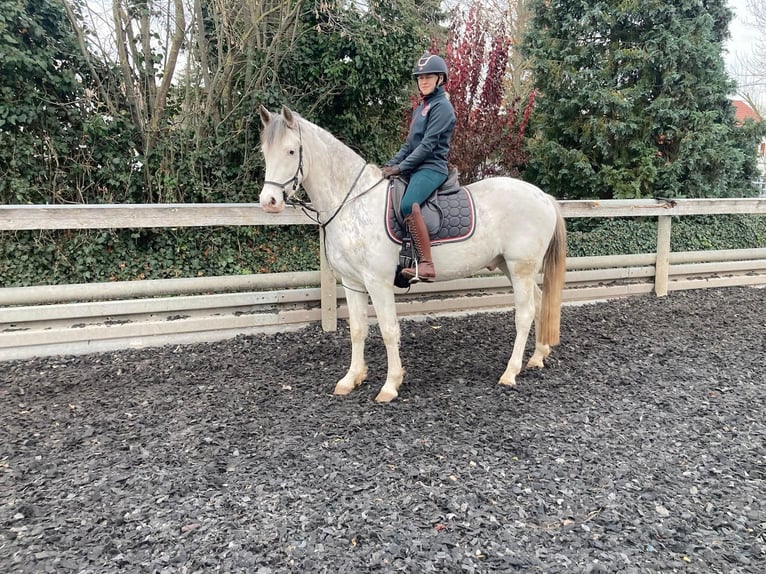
(639, 448)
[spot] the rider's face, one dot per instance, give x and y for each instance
(427, 83)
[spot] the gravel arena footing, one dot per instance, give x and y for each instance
(639, 448)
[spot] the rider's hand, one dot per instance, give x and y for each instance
(390, 170)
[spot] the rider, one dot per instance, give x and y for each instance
(423, 157)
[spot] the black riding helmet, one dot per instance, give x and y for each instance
(430, 64)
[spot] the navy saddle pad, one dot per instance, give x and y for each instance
(449, 212)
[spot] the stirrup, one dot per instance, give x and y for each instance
(415, 279)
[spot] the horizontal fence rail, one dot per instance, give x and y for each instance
(19, 217)
(71, 319)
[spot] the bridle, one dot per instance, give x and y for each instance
(296, 179)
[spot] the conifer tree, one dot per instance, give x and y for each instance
(633, 101)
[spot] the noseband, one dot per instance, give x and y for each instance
(295, 180)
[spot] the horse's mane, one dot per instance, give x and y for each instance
(278, 125)
(275, 127)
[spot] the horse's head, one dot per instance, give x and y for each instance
(283, 153)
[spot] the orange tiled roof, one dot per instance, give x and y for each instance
(742, 112)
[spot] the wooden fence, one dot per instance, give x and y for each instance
(44, 320)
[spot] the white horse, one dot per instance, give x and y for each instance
(518, 229)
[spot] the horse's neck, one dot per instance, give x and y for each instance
(334, 169)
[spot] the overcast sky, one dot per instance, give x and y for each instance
(742, 35)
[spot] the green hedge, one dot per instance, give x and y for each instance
(639, 235)
(55, 258)
(62, 257)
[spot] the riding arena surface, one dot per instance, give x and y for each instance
(639, 448)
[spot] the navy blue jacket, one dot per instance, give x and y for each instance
(427, 144)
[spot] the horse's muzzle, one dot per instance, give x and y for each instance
(271, 203)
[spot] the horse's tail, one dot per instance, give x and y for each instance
(554, 270)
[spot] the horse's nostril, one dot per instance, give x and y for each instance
(273, 201)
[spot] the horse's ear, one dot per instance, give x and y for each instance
(289, 117)
(265, 116)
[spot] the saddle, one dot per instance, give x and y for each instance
(448, 212)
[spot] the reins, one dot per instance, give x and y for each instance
(311, 212)
(323, 226)
(307, 207)
(296, 181)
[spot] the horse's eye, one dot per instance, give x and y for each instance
(291, 152)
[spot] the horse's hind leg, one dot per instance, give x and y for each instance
(358, 325)
(522, 275)
(541, 350)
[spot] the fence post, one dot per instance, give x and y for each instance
(662, 263)
(328, 289)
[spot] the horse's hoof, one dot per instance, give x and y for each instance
(342, 391)
(535, 364)
(349, 382)
(507, 381)
(386, 396)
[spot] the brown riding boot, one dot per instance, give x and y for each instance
(424, 268)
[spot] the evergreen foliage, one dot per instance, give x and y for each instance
(633, 101)
(350, 71)
(57, 143)
(40, 118)
(85, 256)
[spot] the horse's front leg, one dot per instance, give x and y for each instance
(385, 309)
(357, 320)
